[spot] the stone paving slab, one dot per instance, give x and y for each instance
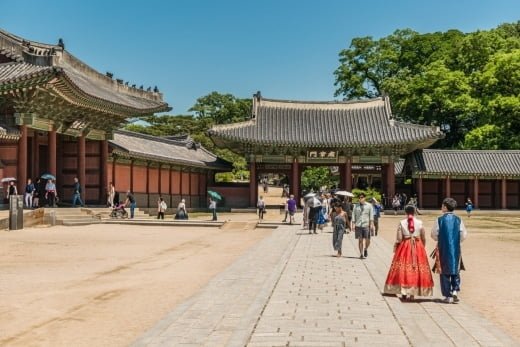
(227, 309)
(290, 290)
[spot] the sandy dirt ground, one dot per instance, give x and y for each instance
(106, 285)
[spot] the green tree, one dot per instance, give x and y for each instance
(313, 178)
(488, 137)
(457, 81)
(210, 109)
(222, 108)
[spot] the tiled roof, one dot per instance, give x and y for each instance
(149, 147)
(9, 133)
(399, 166)
(14, 72)
(467, 162)
(325, 124)
(23, 60)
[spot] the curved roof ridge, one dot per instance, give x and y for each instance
(472, 150)
(237, 125)
(323, 105)
(416, 126)
(57, 56)
(152, 137)
(21, 40)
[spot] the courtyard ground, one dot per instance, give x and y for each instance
(108, 284)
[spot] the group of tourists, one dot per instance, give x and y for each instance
(409, 274)
(36, 194)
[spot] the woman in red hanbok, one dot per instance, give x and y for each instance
(410, 274)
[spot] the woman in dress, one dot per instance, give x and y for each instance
(111, 195)
(410, 274)
(181, 210)
(339, 225)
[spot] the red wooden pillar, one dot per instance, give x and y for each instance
(147, 184)
(253, 187)
(448, 186)
(475, 192)
(170, 185)
(51, 165)
(180, 181)
(504, 193)
(132, 176)
(160, 178)
(295, 170)
(419, 191)
(103, 192)
(22, 159)
(81, 163)
(390, 180)
(114, 171)
(36, 156)
(348, 176)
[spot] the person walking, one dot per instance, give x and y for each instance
(377, 215)
(130, 201)
(291, 207)
(261, 207)
(76, 193)
(28, 194)
(314, 211)
(469, 207)
(181, 212)
(449, 231)
(340, 223)
(213, 208)
(409, 274)
(363, 223)
(161, 208)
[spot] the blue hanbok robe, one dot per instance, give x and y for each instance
(449, 243)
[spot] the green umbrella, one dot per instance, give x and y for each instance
(214, 195)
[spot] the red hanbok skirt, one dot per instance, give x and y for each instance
(410, 272)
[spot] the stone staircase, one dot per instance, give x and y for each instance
(69, 216)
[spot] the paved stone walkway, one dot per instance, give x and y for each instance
(290, 291)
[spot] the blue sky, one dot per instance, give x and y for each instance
(189, 48)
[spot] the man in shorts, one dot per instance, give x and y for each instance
(363, 224)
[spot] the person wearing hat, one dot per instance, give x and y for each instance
(377, 214)
(363, 224)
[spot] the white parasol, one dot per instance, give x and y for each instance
(7, 179)
(344, 193)
(310, 195)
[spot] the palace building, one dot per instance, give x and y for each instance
(60, 116)
(370, 148)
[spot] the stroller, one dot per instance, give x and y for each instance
(118, 211)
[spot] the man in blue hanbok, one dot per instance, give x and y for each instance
(449, 231)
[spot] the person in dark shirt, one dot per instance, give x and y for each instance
(76, 193)
(130, 201)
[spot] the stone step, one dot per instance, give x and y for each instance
(81, 222)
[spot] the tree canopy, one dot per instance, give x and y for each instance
(214, 108)
(468, 84)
